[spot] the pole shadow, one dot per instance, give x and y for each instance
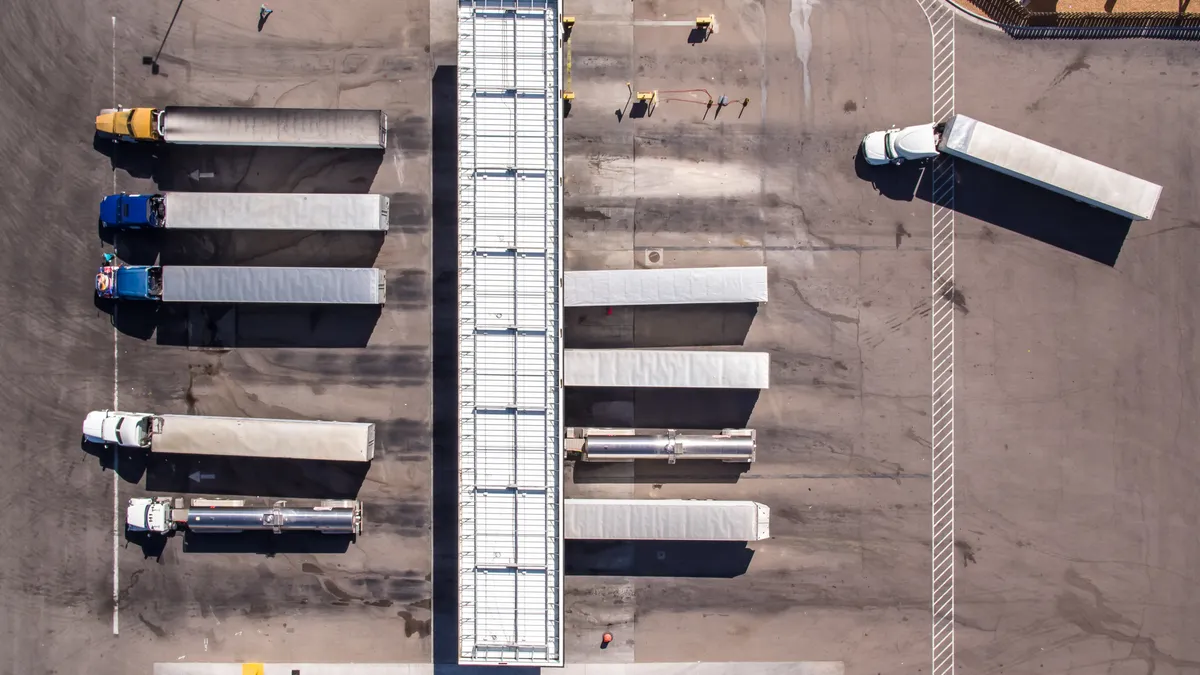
(697, 559)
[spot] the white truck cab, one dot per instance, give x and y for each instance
(144, 514)
(894, 146)
(130, 430)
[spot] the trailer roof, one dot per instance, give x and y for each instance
(1051, 168)
(250, 211)
(297, 127)
(274, 285)
(666, 519)
(251, 437)
(677, 286)
(666, 368)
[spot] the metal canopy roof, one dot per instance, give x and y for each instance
(510, 481)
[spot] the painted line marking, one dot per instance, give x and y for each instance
(116, 483)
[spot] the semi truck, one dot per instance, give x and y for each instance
(232, 436)
(974, 141)
(626, 445)
(244, 211)
(666, 519)
(163, 515)
(233, 285)
(291, 127)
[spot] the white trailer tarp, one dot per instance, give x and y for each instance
(251, 437)
(295, 127)
(1050, 168)
(666, 519)
(274, 285)
(247, 211)
(680, 286)
(666, 368)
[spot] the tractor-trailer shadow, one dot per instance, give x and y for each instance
(250, 248)
(1004, 201)
(211, 168)
(702, 325)
(659, 408)
(262, 543)
(269, 477)
(659, 471)
(205, 326)
(713, 559)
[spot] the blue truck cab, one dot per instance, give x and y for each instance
(126, 211)
(129, 282)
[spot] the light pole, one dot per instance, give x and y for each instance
(152, 61)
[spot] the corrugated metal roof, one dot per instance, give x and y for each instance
(671, 286)
(510, 480)
(666, 368)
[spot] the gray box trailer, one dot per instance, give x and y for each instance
(296, 127)
(666, 519)
(274, 285)
(1051, 168)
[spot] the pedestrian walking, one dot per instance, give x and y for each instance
(108, 259)
(263, 13)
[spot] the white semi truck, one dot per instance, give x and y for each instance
(233, 436)
(162, 515)
(974, 141)
(245, 211)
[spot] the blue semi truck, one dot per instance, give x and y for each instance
(237, 285)
(245, 211)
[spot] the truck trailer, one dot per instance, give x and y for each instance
(245, 211)
(294, 127)
(234, 285)
(162, 515)
(672, 286)
(666, 519)
(233, 436)
(974, 141)
(626, 445)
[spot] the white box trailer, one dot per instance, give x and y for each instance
(1051, 168)
(246, 211)
(294, 127)
(666, 519)
(676, 286)
(666, 368)
(233, 436)
(251, 285)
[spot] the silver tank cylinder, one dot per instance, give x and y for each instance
(670, 446)
(278, 519)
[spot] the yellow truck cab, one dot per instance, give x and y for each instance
(134, 124)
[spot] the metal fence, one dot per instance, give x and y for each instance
(1021, 23)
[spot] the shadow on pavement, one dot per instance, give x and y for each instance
(249, 326)
(660, 472)
(444, 168)
(658, 326)
(714, 559)
(266, 543)
(659, 408)
(130, 464)
(209, 168)
(248, 248)
(280, 478)
(1013, 204)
